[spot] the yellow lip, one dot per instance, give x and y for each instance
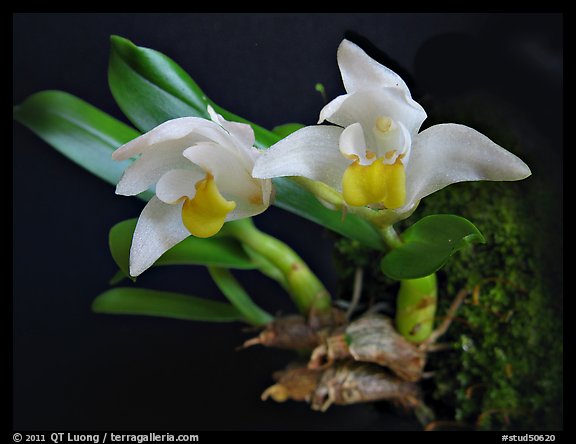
(377, 183)
(205, 214)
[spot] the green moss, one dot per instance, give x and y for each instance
(507, 356)
(504, 370)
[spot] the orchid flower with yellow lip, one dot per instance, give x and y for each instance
(202, 172)
(374, 155)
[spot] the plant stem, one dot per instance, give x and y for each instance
(308, 293)
(417, 298)
(390, 236)
(416, 308)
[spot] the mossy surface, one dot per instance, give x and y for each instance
(505, 366)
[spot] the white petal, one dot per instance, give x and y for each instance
(242, 132)
(176, 184)
(311, 152)
(161, 150)
(159, 228)
(360, 71)
(149, 167)
(261, 201)
(231, 170)
(331, 107)
(266, 188)
(353, 145)
(451, 153)
(169, 131)
(367, 105)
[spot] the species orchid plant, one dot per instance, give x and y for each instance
(206, 172)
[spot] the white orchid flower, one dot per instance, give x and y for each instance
(202, 172)
(374, 155)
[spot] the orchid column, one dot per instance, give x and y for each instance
(373, 161)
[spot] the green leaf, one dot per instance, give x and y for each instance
(218, 251)
(139, 301)
(428, 244)
(232, 289)
(142, 76)
(118, 277)
(151, 88)
(81, 132)
(286, 129)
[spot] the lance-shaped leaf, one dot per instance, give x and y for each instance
(428, 244)
(232, 289)
(139, 301)
(216, 251)
(140, 75)
(81, 132)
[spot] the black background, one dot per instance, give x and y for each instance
(77, 370)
